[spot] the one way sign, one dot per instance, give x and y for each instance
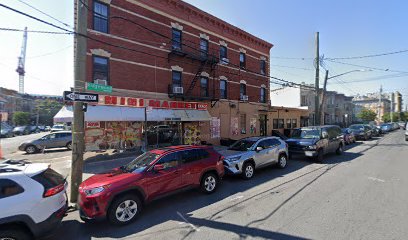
(80, 97)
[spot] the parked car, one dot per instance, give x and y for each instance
(316, 141)
(34, 129)
(47, 128)
(395, 126)
(58, 127)
(120, 194)
(386, 127)
(248, 154)
(348, 136)
(402, 125)
(374, 131)
(21, 130)
(6, 132)
(41, 128)
(278, 134)
(361, 131)
(406, 132)
(54, 140)
(33, 200)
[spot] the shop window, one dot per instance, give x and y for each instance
(294, 123)
(100, 17)
(289, 123)
(176, 79)
(203, 48)
(275, 123)
(242, 60)
(304, 101)
(100, 70)
(223, 89)
(243, 123)
(204, 87)
(223, 52)
(263, 95)
(176, 39)
(263, 67)
(242, 90)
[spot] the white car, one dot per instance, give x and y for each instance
(33, 200)
(406, 132)
(57, 128)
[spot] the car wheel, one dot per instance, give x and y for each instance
(12, 233)
(319, 157)
(248, 170)
(339, 150)
(124, 209)
(69, 146)
(31, 149)
(282, 161)
(209, 183)
(406, 138)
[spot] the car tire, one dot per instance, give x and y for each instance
(406, 138)
(31, 149)
(124, 209)
(340, 149)
(209, 183)
(319, 157)
(14, 233)
(248, 170)
(69, 145)
(282, 161)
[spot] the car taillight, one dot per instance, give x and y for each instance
(54, 190)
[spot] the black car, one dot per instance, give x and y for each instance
(361, 131)
(6, 132)
(34, 129)
(21, 130)
(314, 142)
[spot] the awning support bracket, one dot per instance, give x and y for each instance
(213, 102)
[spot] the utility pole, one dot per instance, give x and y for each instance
(78, 144)
(379, 105)
(321, 109)
(316, 118)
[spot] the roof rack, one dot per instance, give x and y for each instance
(14, 162)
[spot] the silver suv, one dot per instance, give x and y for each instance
(54, 140)
(248, 154)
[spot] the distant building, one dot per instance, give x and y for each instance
(371, 101)
(397, 102)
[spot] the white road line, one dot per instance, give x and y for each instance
(191, 225)
(376, 179)
(236, 198)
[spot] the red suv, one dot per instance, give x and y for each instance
(120, 194)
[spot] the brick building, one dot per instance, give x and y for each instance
(160, 53)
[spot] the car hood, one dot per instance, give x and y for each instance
(231, 153)
(301, 141)
(116, 176)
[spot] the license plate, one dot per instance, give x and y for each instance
(309, 154)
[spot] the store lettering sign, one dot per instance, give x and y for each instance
(93, 124)
(140, 102)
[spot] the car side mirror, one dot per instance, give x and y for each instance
(158, 167)
(258, 149)
(325, 135)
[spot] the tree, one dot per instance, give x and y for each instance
(396, 117)
(46, 109)
(367, 115)
(21, 118)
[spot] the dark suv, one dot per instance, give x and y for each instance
(314, 142)
(119, 195)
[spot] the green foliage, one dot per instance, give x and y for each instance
(47, 108)
(367, 115)
(21, 118)
(396, 117)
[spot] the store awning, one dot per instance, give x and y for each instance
(113, 113)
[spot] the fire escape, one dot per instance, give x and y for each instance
(205, 62)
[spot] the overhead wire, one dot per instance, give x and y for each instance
(370, 56)
(367, 67)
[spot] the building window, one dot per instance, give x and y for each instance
(223, 89)
(242, 60)
(204, 87)
(223, 52)
(281, 123)
(176, 79)
(242, 90)
(100, 70)
(294, 123)
(100, 17)
(203, 48)
(304, 101)
(263, 95)
(176, 39)
(289, 123)
(263, 67)
(243, 123)
(275, 123)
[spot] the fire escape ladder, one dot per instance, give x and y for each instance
(196, 77)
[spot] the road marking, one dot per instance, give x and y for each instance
(191, 225)
(236, 198)
(376, 179)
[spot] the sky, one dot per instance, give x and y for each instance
(348, 28)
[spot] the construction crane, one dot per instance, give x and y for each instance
(21, 63)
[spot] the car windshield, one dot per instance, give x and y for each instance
(242, 145)
(306, 133)
(141, 162)
(357, 127)
(58, 127)
(20, 128)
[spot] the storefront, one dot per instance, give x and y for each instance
(119, 123)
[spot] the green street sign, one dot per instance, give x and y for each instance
(98, 88)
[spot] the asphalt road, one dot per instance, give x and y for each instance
(359, 195)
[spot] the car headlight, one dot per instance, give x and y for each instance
(311, 147)
(94, 191)
(232, 159)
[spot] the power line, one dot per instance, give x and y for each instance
(50, 53)
(379, 78)
(34, 31)
(370, 56)
(282, 66)
(367, 67)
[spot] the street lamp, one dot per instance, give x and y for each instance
(338, 75)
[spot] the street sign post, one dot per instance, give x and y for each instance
(98, 87)
(81, 97)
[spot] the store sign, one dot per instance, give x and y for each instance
(93, 124)
(141, 102)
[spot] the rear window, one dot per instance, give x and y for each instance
(49, 178)
(9, 188)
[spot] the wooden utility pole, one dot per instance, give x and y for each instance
(316, 115)
(78, 144)
(321, 109)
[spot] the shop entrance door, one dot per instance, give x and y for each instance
(163, 134)
(263, 125)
